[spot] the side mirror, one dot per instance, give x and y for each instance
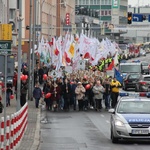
(111, 110)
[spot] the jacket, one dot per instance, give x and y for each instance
(115, 85)
(80, 92)
(24, 88)
(98, 91)
(37, 93)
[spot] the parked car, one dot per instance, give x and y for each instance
(143, 85)
(145, 67)
(130, 80)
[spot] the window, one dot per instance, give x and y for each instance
(92, 1)
(109, 12)
(105, 12)
(95, 2)
(106, 2)
(83, 1)
(12, 13)
(76, 2)
(87, 2)
(102, 2)
(98, 2)
(102, 13)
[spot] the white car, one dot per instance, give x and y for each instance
(130, 119)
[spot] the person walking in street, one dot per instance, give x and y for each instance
(9, 92)
(23, 93)
(37, 94)
(80, 93)
(66, 90)
(107, 93)
(98, 91)
(73, 94)
(115, 85)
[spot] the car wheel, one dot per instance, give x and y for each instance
(113, 139)
(124, 87)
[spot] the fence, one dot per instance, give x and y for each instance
(16, 125)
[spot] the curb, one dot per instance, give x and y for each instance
(36, 142)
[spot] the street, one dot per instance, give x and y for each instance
(82, 131)
(88, 130)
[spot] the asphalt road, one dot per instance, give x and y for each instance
(83, 131)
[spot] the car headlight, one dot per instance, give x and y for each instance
(119, 123)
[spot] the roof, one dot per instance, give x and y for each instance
(128, 98)
(131, 63)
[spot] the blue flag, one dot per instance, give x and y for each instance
(118, 76)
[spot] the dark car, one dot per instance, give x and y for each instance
(131, 80)
(143, 85)
(145, 67)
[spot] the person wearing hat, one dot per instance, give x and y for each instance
(80, 93)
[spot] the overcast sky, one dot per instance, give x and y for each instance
(141, 2)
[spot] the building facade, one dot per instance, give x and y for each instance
(108, 12)
(49, 21)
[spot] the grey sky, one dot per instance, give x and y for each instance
(141, 2)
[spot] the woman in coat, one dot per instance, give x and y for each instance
(98, 91)
(80, 93)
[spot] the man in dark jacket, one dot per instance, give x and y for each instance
(23, 93)
(73, 94)
(37, 94)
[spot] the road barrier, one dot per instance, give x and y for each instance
(15, 128)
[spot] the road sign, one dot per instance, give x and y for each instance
(137, 17)
(5, 45)
(6, 32)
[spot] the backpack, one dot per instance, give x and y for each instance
(1, 107)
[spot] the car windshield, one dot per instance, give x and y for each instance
(130, 68)
(134, 76)
(144, 64)
(123, 47)
(136, 107)
(147, 78)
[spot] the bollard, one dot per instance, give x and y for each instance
(2, 134)
(12, 132)
(7, 132)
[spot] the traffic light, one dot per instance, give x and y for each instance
(129, 17)
(67, 18)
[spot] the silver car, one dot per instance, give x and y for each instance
(130, 119)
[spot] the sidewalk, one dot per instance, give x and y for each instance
(31, 137)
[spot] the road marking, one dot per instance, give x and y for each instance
(108, 121)
(102, 115)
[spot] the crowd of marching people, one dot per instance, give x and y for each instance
(80, 94)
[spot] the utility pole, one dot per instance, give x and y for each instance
(33, 49)
(7, 11)
(19, 55)
(29, 55)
